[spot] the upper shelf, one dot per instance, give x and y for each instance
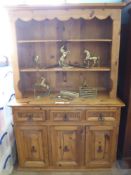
(69, 40)
(66, 69)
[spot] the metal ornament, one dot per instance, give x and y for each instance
(87, 92)
(90, 61)
(36, 60)
(62, 62)
(71, 94)
(41, 88)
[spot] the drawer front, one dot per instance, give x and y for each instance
(101, 115)
(62, 115)
(29, 115)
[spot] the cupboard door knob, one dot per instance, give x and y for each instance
(30, 117)
(99, 150)
(33, 150)
(66, 149)
(66, 117)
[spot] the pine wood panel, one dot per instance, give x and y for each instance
(102, 115)
(67, 146)
(115, 56)
(100, 149)
(29, 115)
(32, 146)
(15, 63)
(64, 30)
(67, 114)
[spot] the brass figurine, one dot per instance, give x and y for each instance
(36, 60)
(87, 92)
(62, 62)
(42, 86)
(91, 61)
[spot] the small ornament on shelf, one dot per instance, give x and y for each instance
(41, 88)
(87, 92)
(67, 95)
(91, 61)
(36, 60)
(62, 60)
(72, 94)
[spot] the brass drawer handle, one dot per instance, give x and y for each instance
(101, 117)
(66, 117)
(30, 117)
(33, 149)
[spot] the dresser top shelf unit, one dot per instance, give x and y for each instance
(42, 31)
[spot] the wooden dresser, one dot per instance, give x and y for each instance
(66, 134)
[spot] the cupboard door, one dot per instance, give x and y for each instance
(67, 146)
(32, 146)
(100, 146)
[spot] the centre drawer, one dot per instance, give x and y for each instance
(101, 115)
(66, 115)
(29, 114)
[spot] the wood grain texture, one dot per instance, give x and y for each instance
(32, 146)
(67, 146)
(66, 134)
(100, 141)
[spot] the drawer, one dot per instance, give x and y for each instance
(30, 115)
(101, 115)
(66, 115)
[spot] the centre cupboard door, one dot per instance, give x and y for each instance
(67, 143)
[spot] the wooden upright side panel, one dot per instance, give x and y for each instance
(115, 53)
(14, 59)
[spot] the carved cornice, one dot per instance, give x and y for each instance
(65, 14)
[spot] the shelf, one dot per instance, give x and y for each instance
(95, 69)
(69, 40)
(101, 99)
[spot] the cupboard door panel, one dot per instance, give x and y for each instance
(32, 146)
(67, 146)
(100, 146)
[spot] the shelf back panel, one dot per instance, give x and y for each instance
(64, 30)
(66, 81)
(49, 53)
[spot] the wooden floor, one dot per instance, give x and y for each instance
(116, 172)
(113, 171)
